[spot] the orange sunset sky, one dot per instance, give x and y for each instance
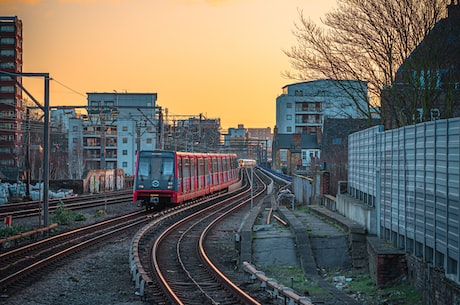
(222, 58)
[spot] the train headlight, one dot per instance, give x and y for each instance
(141, 186)
(170, 185)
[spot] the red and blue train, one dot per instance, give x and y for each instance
(165, 177)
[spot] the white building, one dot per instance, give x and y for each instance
(117, 126)
(301, 107)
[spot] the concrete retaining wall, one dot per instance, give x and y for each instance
(358, 212)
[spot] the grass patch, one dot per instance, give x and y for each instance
(65, 216)
(365, 289)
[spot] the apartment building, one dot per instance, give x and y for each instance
(301, 110)
(11, 114)
(116, 127)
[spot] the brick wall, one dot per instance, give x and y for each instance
(387, 265)
(431, 283)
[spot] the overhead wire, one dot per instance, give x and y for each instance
(67, 87)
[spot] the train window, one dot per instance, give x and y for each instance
(186, 174)
(192, 172)
(156, 167)
(167, 167)
(144, 168)
(201, 167)
(219, 165)
(206, 171)
(200, 172)
(186, 167)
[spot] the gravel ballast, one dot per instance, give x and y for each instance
(99, 275)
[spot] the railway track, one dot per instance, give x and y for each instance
(22, 265)
(170, 262)
(34, 208)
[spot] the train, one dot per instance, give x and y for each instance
(247, 162)
(164, 178)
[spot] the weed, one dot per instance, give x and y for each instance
(100, 213)
(72, 278)
(8, 231)
(64, 216)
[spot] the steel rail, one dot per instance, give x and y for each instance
(224, 281)
(72, 241)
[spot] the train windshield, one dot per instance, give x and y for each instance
(156, 168)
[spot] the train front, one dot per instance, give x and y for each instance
(155, 184)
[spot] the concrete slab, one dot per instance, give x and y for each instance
(274, 248)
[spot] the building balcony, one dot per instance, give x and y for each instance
(92, 147)
(309, 123)
(309, 111)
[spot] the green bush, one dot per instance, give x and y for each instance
(11, 231)
(64, 216)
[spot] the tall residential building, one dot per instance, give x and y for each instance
(302, 107)
(301, 110)
(10, 94)
(117, 126)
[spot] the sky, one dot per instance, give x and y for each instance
(221, 58)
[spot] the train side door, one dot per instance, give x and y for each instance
(201, 173)
(193, 174)
(180, 175)
(186, 174)
(219, 169)
(215, 172)
(225, 168)
(207, 170)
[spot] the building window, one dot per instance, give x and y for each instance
(7, 28)
(125, 164)
(125, 140)
(289, 105)
(7, 101)
(149, 140)
(288, 117)
(7, 89)
(289, 129)
(125, 152)
(9, 53)
(337, 141)
(7, 65)
(124, 128)
(283, 155)
(75, 140)
(305, 155)
(6, 40)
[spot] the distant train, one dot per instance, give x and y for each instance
(247, 162)
(168, 177)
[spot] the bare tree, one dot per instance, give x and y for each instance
(362, 40)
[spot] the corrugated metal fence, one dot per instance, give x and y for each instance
(411, 176)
